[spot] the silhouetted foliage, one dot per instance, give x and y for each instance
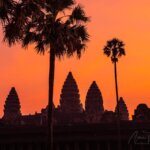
(52, 25)
(46, 23)
(115, 49)
(6, 9)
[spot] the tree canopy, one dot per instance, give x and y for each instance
(115, 49)
(54, 24)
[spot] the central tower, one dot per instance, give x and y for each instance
(71, 111)
(70, 98)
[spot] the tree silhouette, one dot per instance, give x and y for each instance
(52, 25)
(115, 49)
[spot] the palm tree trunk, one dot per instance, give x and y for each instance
(118, 112)
(50, 100)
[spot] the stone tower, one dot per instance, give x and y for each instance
(70, 109)
(124, 115)
(94, 104)
(70, 98)
(12, 106)
(141, 113)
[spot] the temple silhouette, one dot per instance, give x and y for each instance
(69, 111)
(75, 127)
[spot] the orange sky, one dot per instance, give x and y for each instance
(125, 19)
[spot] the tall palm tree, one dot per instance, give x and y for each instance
(54, 26)
(115, 49)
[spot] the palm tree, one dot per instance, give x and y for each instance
(115, 49)
(54, 26)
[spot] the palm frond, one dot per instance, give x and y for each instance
(71, 40)
(58, 6)
(12, 34)
(40, 47)
(78, 14)
(29, 37)
(7, 3)
(82, 33)
(65, 4)
(3, 14)
(30, 7)
(6, 8)
(107, 51)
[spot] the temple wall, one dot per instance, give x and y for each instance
(91, 137)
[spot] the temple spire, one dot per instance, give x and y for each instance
(12, 107)
(123, 110)
(94, 104)
(70, 98)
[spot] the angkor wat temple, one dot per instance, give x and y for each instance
(70, 111)
(75, 127)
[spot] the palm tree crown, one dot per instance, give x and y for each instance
(115, 49)
(48, 23)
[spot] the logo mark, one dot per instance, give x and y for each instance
(140, 137)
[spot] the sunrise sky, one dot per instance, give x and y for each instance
(125, 19)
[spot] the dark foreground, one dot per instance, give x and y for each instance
(135, 136)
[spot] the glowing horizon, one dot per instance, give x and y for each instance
(28, 72)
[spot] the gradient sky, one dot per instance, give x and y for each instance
(125, 19)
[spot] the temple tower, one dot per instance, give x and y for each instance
(123, 110)
(94, 104)
(70, 98)
(141, 113)
(12, 107)
(70, 110)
